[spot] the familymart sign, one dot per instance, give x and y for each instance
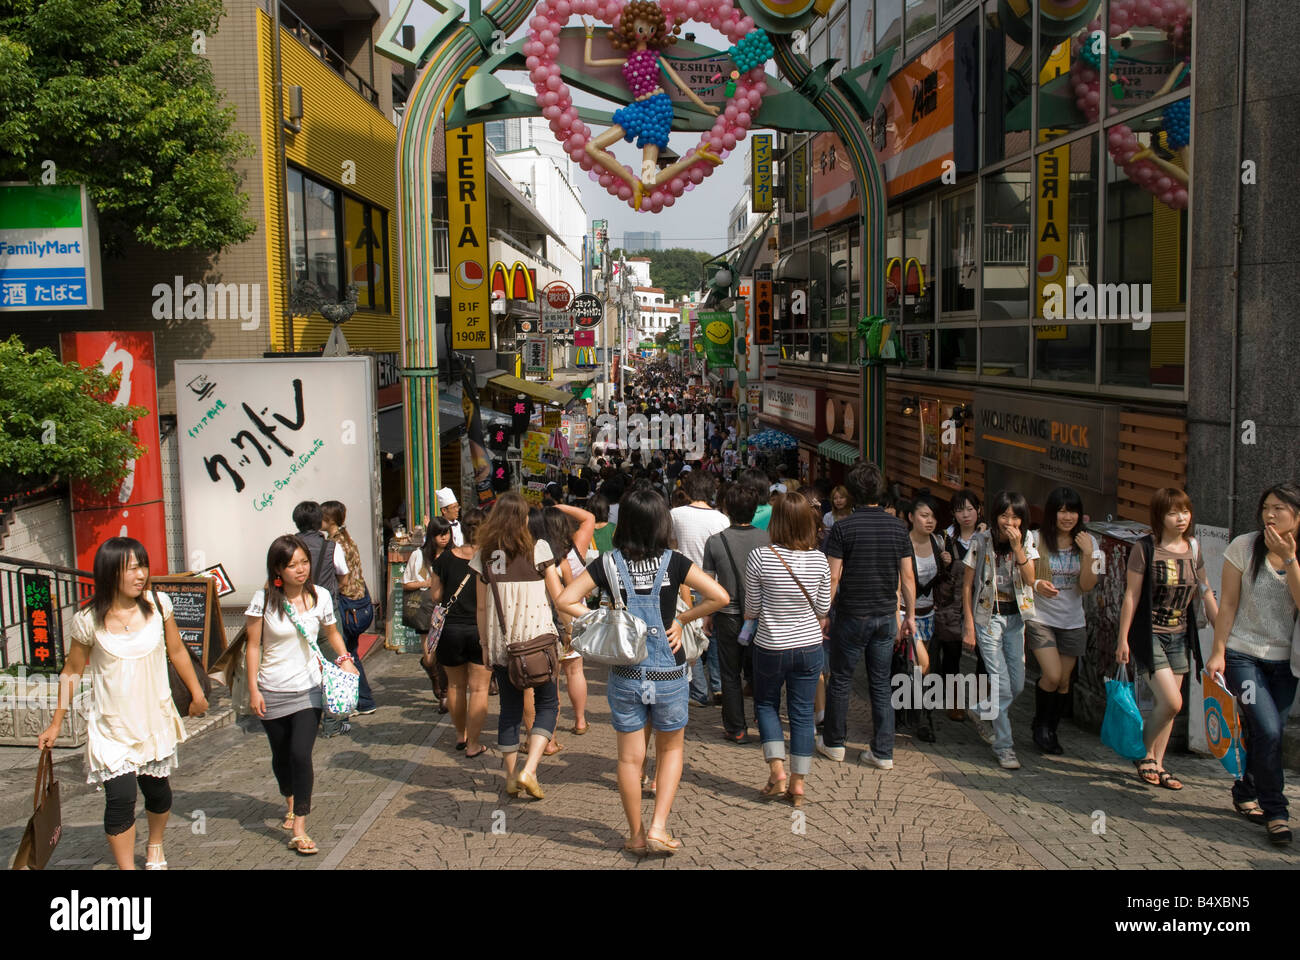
(49, 249)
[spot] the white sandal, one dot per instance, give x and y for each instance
(156, 865)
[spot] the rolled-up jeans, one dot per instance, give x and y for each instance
(1002, 645)
(798, 671)
(1263, 720)
(546, 701)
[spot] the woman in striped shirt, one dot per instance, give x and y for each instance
(788, 591)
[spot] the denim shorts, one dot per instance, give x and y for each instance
(633, 703)
(1068, 642)
(1169, 650)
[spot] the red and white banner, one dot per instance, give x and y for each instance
(135, 508)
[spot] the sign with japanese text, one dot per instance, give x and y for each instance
(135, 508)
(799, 179)
(49, 249)
(763, 335)
(41, 625)
(761, 173)
(258, 437)
(471, 320)
(1053, 188)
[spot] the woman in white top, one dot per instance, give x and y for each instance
(788, 591)
(133, 727)
(841, 507)
(1057, 632)
(284, 621)
(1252, 644)
(418, 575)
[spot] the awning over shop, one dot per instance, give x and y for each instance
(538, 391)
(839, 451)
(800, 266)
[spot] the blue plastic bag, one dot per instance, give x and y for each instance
(1121, 728)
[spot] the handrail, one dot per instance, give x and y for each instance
(299, 27)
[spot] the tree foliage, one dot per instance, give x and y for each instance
(55, 420)
(678, 270)
(113, 92)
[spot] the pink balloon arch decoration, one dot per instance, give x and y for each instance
(730, 126)
(1157, 176)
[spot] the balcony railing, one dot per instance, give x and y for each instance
(326, 54)
(1009, 244)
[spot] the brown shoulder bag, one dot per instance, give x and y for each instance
(46, 825)
(531, 663)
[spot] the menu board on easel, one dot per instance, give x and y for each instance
(197, 614)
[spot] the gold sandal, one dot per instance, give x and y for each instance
(304, 845)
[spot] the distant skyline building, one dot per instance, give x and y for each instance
(644, 240)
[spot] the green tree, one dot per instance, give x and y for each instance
(54, 420)
(113, 92)
(671, 335)
(678, 270)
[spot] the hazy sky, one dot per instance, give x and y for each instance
(698, 219)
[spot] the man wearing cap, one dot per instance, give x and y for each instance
(449, 508)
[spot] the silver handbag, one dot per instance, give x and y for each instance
(610, 635)
(695, 642)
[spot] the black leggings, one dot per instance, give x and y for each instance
(119, 800)
(292, 739)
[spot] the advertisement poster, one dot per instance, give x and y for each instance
(135, 508)
(719, 349)
(951, 455)
(471, 323)
(929, 439)
(480, 462)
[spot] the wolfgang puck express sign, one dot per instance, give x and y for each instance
(1071, 441)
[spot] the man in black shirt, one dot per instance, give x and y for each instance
(870, 556)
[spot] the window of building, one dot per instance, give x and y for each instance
(960, 263)
(917, 281)
(1006, 244)
(841, 300)
(958, 349)
(922, 18)
(1065, 233)
(889, 24)
(335, 240)
(862, 30)
(839, 41)
(1066, 353)
(1004, 351)
(1007, 75)
(1151, 358)
(1146, 58)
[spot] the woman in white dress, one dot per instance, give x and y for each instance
(284, 620)
(133, 727)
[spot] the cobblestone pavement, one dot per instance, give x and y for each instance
(394, 793)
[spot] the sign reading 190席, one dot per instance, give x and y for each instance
(587, 310)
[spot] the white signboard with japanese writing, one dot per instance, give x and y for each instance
(258, 437)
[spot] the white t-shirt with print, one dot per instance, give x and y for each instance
(288, 665)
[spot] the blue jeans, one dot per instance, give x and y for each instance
(1002, 645)
(798, 670)
(704, 685)
(546, 702)
(850, 636)
(1262, 724)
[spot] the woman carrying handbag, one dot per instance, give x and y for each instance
(650, 577)
(126, 637)
(418, 579)
(456, 641)
(283, 621)
(356, 610)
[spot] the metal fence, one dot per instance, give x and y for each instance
(69, 589)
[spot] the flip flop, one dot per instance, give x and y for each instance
(481, 750)
(552, 749)
(668, 845)
(304, 845)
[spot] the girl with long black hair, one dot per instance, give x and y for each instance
(1058, 632)
(1252, 647)
(998, 598)
(965, 508)
(126, 635)
(418, 575)
(284, 621)
(930, 561)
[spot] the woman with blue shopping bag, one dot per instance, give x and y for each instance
(1253, 649)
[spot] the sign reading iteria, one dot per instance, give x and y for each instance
(41, 625)
(471, 327)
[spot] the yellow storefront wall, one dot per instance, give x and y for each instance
(338, 127)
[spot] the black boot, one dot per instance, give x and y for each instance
(1057, 703)
(1043, 702)
(925, 730)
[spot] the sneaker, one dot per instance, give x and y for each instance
(982, 727)
(830, 753)
(866, 756)
(364, 713)
(1007, 760)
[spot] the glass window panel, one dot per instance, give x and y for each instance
(1066, 353)
(1005, 351)
(957, 349)
(1143, 358)
(320, 215)
(960, 267)
(818, 265)
(918, 346)
(1066, 233)
(839, 346)
(297, 229)
(1144, 59)
(1060, 68)
(358, 249)
(817, 346)
(380, 218)
(862, 30)
(1007, 70)
(799, 347)
(839, 41)
(856, 309)
(918, 264)
(894, 266)
(1006, 244)
(819, 49)
(922, 17)
(889, 24)
(950, 6)
(1146, 214)
(840, 293)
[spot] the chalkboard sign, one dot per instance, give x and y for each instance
(197, 616)
(399, 637)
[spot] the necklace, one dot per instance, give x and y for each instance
(126, 624)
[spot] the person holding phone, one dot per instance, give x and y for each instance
(126, 634)
(1058, 632)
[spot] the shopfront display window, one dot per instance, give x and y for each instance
(917, 272)
(960, 263)
(957, 349)
(1006, 244)
(839, 347)
(1007, 73)
(1004, 351)
(1065, 234)
(1065, 353)
(1149, 359)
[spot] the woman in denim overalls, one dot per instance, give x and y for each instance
(655, 690)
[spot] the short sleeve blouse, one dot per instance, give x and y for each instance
(288, 664)
(524, 601)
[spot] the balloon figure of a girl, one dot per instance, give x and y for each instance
(644, 31)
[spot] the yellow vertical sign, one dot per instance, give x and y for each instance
(467, 236)
(761, 173)
(1053, 249)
